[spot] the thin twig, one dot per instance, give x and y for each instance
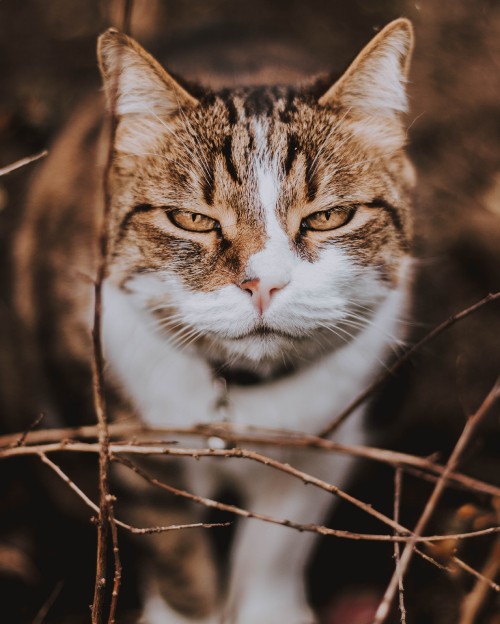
(470, 570)
(150, 530)
(98, 383)
(461, 564)
(393, 458)
(398, 479)
(475, 599)
(22, 163)
(47, 605)
(404, 534)
(469, 429)
(117, 578)
(135, 530)
(392, 370)
(118, 450)
(22, 438)
(105, 501)
(316, 529)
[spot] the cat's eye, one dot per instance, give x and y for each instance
(193, 221)
(330, 219)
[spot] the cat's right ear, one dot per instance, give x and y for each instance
(139, 92)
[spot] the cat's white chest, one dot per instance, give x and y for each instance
(172, 388)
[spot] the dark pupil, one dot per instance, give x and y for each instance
(193, 217)
(327, 214)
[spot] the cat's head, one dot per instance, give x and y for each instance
(259, 225)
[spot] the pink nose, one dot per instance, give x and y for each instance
(262, 291)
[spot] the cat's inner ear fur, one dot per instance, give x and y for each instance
(374, 86)
(139, 92)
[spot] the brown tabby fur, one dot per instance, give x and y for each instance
(56, 248)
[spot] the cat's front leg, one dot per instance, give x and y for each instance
(268, 563)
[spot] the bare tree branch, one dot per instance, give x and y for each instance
(137, 531)
(476, 598)
(470, 427)
(62, 440)
(22, 163)
(398, 479)
(45, 608)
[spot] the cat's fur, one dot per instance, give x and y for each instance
(309, 315)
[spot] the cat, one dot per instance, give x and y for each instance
(256, 235)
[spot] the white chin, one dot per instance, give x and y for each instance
(267, 353)
(258, 348)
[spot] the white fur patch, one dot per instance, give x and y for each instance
(273, 264)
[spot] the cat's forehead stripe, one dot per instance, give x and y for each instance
(292, 150)
(227, 152)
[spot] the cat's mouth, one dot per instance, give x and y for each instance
(266, 332)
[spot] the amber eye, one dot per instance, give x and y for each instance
(193, 221)
(330, 219)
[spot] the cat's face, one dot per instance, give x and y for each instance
(259, 226)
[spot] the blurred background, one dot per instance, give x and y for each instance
(48, 65)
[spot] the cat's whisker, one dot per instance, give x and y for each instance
(185, 338)
(333, 331)
(365, 323)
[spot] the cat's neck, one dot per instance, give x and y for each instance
(248, 376)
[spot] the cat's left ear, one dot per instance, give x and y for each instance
(374, 86)
(139, 92)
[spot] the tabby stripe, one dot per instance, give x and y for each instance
(311, 179)
(227, 151)
(232, 113)
(208, 186)
(390, 210)
(291, 155)
(140, 208)
(290, 108)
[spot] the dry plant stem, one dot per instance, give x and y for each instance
(105, 501)
(246, 514)
(42, 613)
(476, 598)
(461, 564)
(117, 450)
(479, 575)
(359, 400)
(404, 536)
(398, 482)
(22, 438)
(308, 479)
(392, 458)
(118, 567)
(137, 531)
(159, 529)
(470, 427)
(106, 511)
(98, 385)
(22, 163)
